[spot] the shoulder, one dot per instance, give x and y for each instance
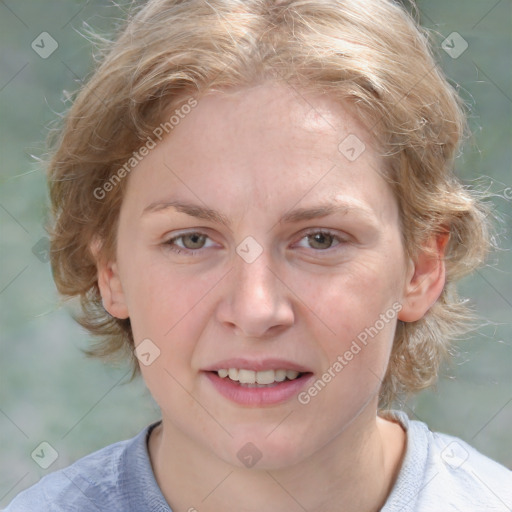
(443, 472)
(95, 482)
(466, 476)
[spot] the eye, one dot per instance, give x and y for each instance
(322, 239)
(190, 242)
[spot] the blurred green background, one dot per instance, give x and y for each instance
(50, 392)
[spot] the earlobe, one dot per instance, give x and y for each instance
(425, 280)
(109, 284)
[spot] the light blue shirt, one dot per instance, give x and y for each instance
(439, 473)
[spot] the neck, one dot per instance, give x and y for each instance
(357, 468)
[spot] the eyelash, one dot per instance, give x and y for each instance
(192, 252)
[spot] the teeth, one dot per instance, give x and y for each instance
(291, 374)
(246, 376)
(280, 375)
(263, 377)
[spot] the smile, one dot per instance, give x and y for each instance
(257, 378)
(258, 388)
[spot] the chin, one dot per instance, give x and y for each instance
(264, 451)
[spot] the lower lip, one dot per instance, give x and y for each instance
(279, 393)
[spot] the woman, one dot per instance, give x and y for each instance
(256, 200)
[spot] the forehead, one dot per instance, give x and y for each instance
(278, 115)
(268, 145)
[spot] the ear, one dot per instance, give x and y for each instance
(109, 283)
(425, 280)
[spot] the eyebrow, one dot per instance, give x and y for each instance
(297, 215)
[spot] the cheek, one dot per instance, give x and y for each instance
(355, 314)
(162, 299)
(171, 307)
(353, 298)
(352, 375)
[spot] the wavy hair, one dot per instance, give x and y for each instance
(370, 54)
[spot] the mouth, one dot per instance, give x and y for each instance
(260, 387)
(258, 379)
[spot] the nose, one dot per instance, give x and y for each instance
(256, 300)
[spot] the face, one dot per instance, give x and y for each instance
(251, 239)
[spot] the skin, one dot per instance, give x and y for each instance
(253, 155)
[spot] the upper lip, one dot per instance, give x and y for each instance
(257, 365)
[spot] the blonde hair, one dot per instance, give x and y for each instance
(369, 53)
